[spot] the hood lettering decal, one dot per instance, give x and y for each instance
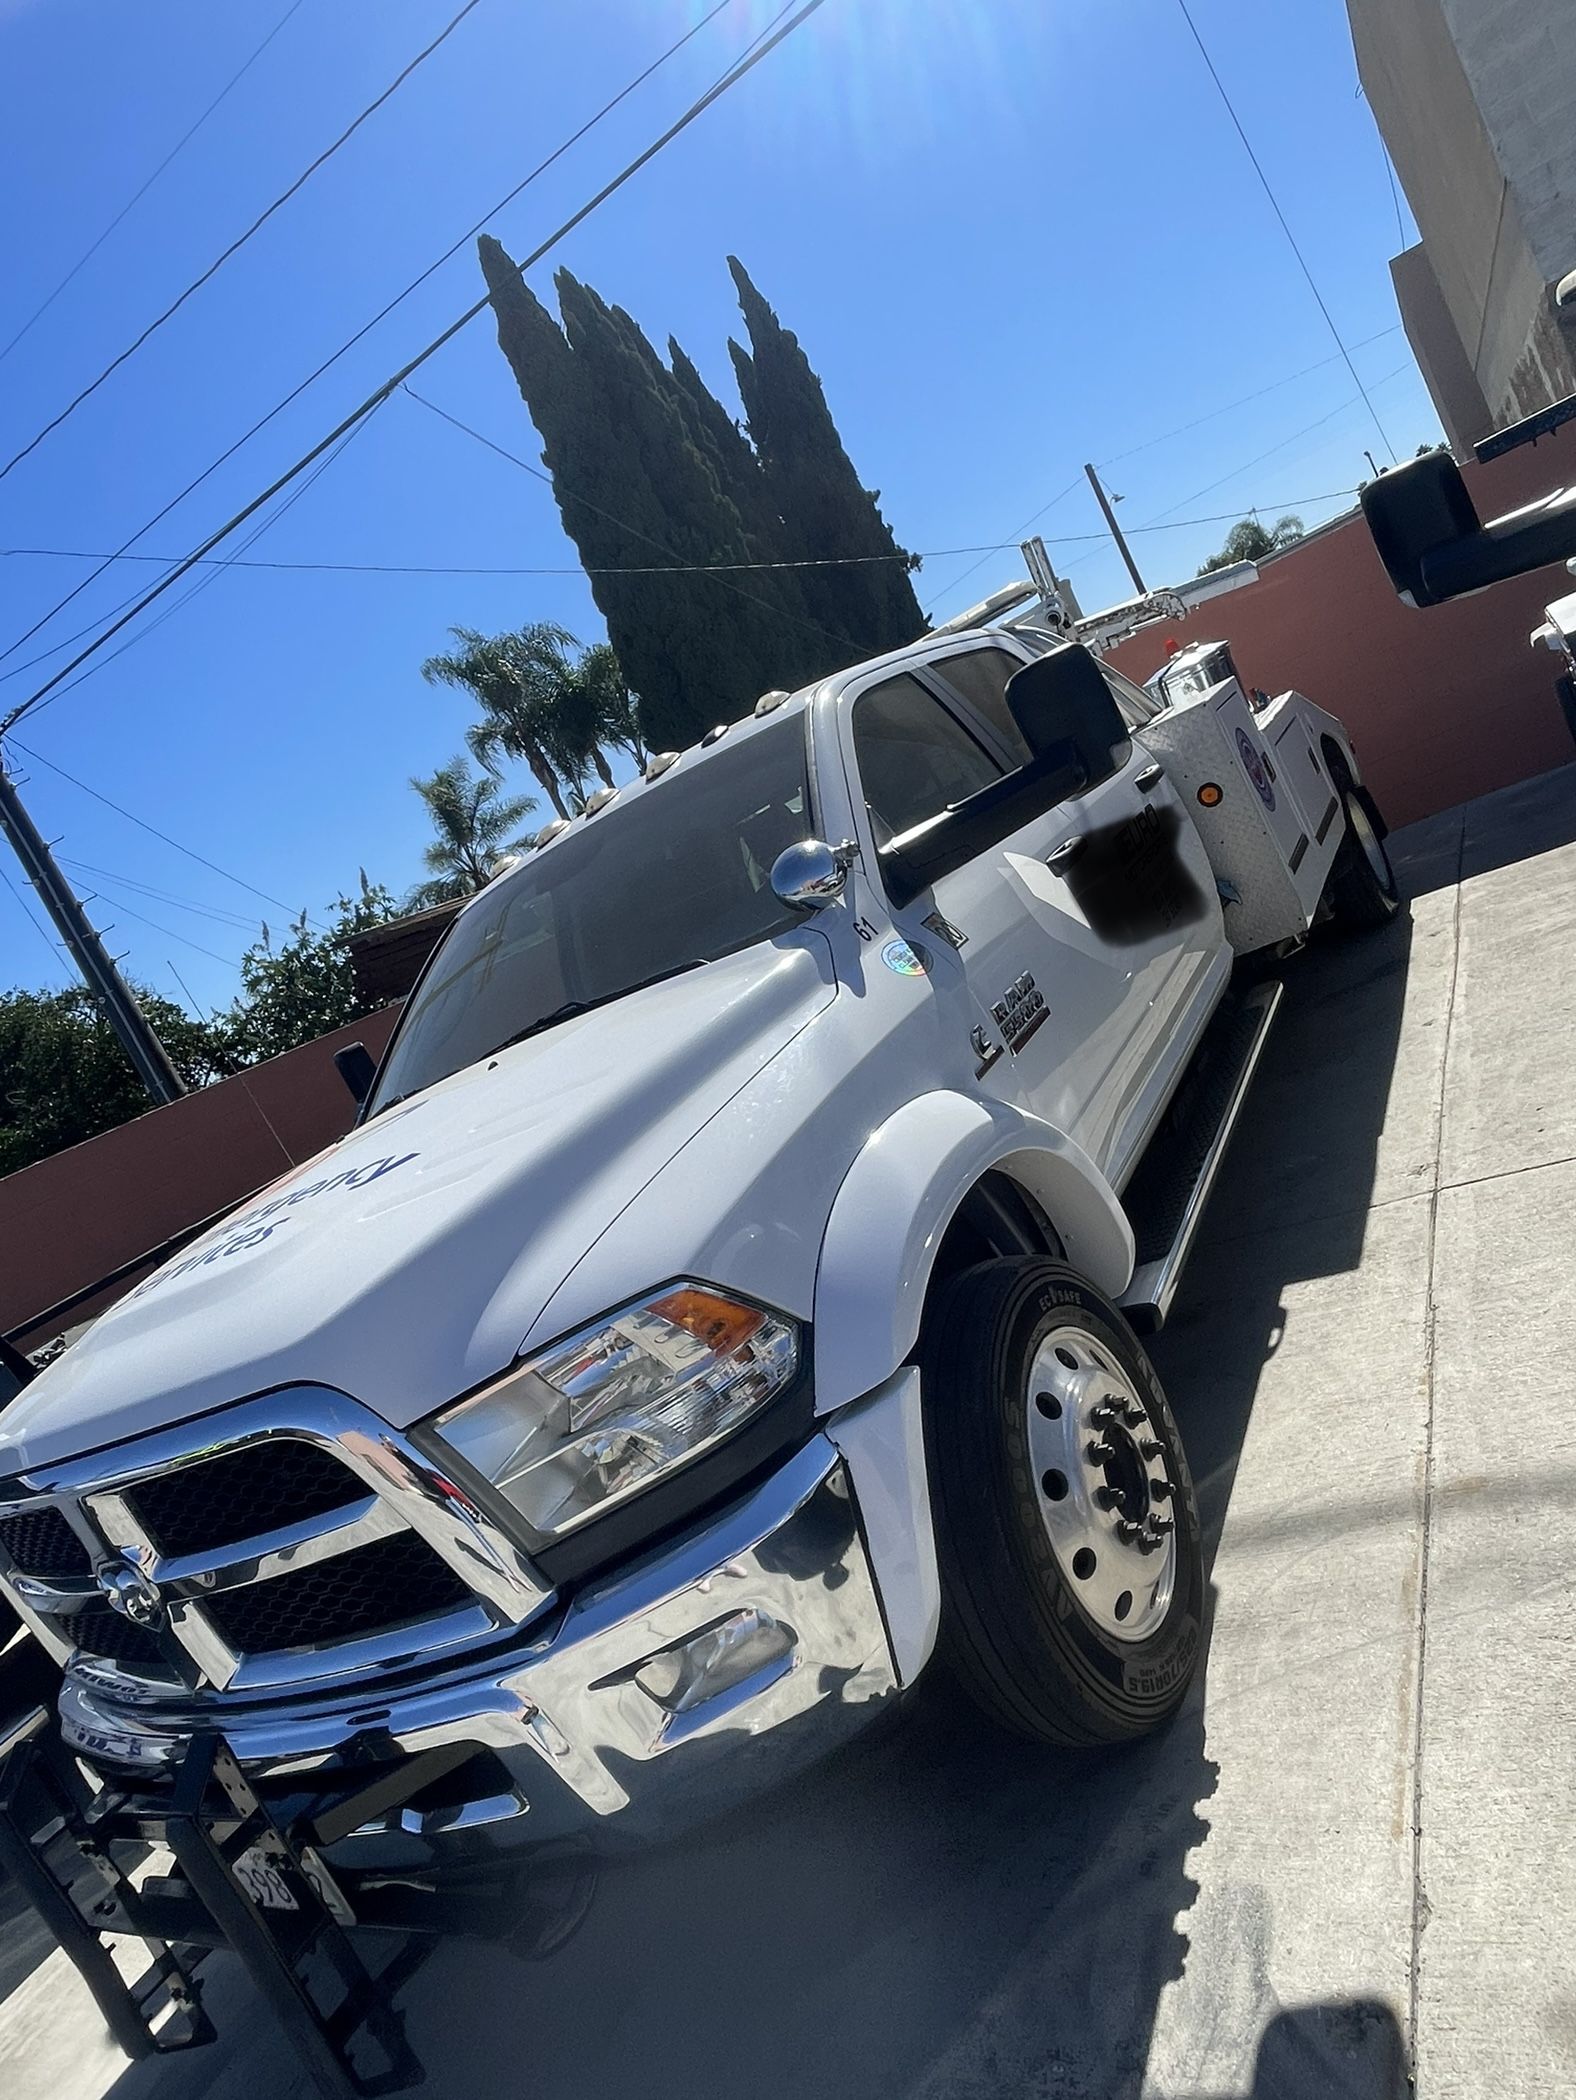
(250, 1229)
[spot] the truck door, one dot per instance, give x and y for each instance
(1066, 1011)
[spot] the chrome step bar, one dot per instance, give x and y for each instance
(1148, 1298)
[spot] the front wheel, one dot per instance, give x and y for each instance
(1072, 1568)
(1363, 891)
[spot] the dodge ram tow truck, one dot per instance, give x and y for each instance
(726, 1307)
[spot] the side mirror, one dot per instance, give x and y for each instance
(1068, 714)
(1435, 547)
(811, 874)
(357, 1068)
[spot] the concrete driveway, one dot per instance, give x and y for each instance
(1348, 1864)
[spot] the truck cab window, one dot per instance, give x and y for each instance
(979, 678)
(914, 758)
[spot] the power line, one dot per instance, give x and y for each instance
(136, 197)
(1242, 400)
(238, 243)
(963, 574)
(1302, 261)
(28, 909)
(232, 919)
(186, 991)
(153, 830)
(735, 73)
(1318, 422)
(715, 568)
(350, 342)
(214, 571)
(671, 568)
(169, 932)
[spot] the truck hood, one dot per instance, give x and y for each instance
(406, 1264)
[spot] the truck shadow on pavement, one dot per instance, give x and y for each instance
(945, 1912)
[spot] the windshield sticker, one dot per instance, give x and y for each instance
(904, 960)
(1253, 766)
(253, 1226)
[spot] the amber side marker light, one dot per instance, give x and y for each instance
(1209, 794)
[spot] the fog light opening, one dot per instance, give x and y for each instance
(715, 1660)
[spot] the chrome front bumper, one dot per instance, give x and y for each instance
(761, 1628)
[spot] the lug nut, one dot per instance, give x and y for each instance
(1098, 1454)
(1150, 1449)
(1160, 1526)
(1105, 1498)
(1133, 1414)
(1160, 1489)
(1129, 1533)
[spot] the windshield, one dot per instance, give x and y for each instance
(678, 875)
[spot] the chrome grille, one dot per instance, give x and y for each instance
(300, 1539)
(42, 1542)
(394, 1582)
(220, 1501)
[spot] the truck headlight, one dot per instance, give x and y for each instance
(604, 1413)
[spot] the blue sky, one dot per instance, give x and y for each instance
(1012, 234)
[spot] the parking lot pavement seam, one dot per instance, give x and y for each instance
(1425, 1542)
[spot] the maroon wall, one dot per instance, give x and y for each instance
(76, 1216)
(1443, 704)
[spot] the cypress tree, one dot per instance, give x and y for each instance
(815, 489)
(649, 469)
(806, 650)
(635, 490)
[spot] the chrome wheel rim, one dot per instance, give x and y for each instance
(1106, 1497)
(1371, 843)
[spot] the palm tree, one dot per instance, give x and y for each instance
(511, 676)
(472, 825)
(614, 707)
(555, 710)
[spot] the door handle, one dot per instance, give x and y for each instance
(1150, 777)
(1064, 855)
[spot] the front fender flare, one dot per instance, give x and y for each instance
(895, 1204)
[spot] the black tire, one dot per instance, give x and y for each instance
(1014, 1633)
(1360, 897)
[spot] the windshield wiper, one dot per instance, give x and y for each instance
(573, 1008)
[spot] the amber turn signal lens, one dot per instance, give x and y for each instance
(1209, 794)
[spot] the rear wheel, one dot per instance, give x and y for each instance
(1363, 890)
(1071, 1563)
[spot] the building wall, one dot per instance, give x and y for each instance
(70, 1219)
(1477, 102)
(1431, 332)
(1443, 704)
(1520, 58)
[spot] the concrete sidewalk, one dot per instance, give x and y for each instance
(1348, 1862)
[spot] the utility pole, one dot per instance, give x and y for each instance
(103, 980)
(1122, 547)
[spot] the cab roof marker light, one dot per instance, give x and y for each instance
(549, 832)
(656, 767)
(768, 703)
(599, 800)
(714, 736)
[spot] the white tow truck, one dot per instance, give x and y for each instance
(727, 1305)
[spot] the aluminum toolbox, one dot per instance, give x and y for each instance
(1272, 836)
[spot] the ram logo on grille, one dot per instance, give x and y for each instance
(128, 1591)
